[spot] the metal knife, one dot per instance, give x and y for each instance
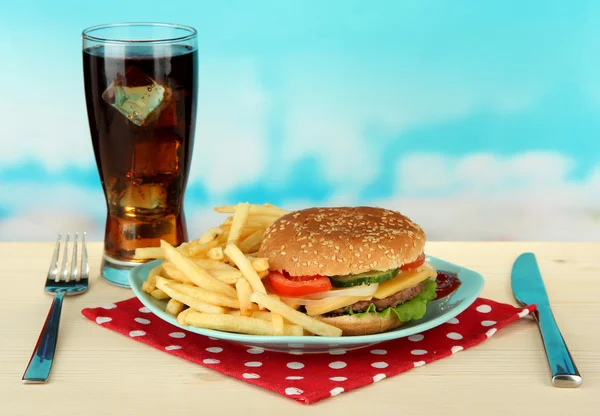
(528, 288)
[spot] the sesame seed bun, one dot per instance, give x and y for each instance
(341, 241)
(351, 325)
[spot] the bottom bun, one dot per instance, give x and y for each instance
(369, 324)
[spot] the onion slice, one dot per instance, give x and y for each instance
(362, 290)
(324, 297)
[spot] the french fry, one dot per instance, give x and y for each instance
(197, 293)
(215, 253)
(181, 316)
(239, 221)
(144, 253)
(174, 307)
(243, 290)
(173, 272)
(227, 276)
(159, 294)
(201, 249)
(199, 276)
(252, 242)
(246, 231)
(150, 283)
(254, 209)
(264, 315)
(261, 221)
(188, 300)
(260, 264)
(310, 324)
(263, 274)
(237, 257)
(210, 235)
(276, 319)
(239, 324)
(212, 264)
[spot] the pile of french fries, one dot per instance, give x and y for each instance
(215, 281)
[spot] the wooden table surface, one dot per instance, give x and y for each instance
(100, 372)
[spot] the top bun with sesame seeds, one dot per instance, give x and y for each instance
(341, 241)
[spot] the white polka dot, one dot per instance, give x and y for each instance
(294, 365)
(456, 349)
(418, 352)
(172, 347)
(336, 390)
(419, 363)
(142, 321)
(137, 333)
(336, 365)
(337, 351)
(255, 350)
(144, 310)
(253, 364)
(177, 335)
(210, 361)
(294, 378)
(338, 378)
(379, 364)
(103, 319)
(523, 313)
(453, 321)
(484, 308)
(416, 337)
(488, 323)
(109, 306)
(379, 352)
(378, 377)
(296, 352)
(250, 375)
(454, 335)
(491, 332)
(293, 391)
(216, 350)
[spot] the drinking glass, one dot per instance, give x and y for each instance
(140, 87)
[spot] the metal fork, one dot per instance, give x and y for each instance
(67, 282)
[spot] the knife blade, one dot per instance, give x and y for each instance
(528, 288)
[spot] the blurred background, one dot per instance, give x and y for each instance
(480, 120)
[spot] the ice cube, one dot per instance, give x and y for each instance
(139, 103)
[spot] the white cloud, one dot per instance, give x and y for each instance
(481, 172)
(487, 197)
(42, 211)
(332, 102)
(230, 148)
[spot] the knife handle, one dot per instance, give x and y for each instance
(562, 366)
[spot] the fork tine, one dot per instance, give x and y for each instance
(54, 262)
(73, 273)
(84, 267)
(63, 266)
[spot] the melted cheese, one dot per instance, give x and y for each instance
(334, 303)
(404, 280)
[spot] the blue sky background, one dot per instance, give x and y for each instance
(479, 119)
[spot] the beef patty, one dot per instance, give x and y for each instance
(381, 304)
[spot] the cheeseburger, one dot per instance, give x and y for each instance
(361, 269)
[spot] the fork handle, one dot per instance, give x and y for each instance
(40, 363)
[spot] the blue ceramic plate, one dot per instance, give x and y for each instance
(438, 312)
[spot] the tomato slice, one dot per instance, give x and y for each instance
(417, 263)
(298, 285)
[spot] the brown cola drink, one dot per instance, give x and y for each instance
(141, 103)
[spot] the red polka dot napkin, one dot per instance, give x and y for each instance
(309, 378)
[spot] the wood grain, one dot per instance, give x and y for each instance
(98, 372)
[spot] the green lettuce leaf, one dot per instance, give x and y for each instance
(409, 310)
